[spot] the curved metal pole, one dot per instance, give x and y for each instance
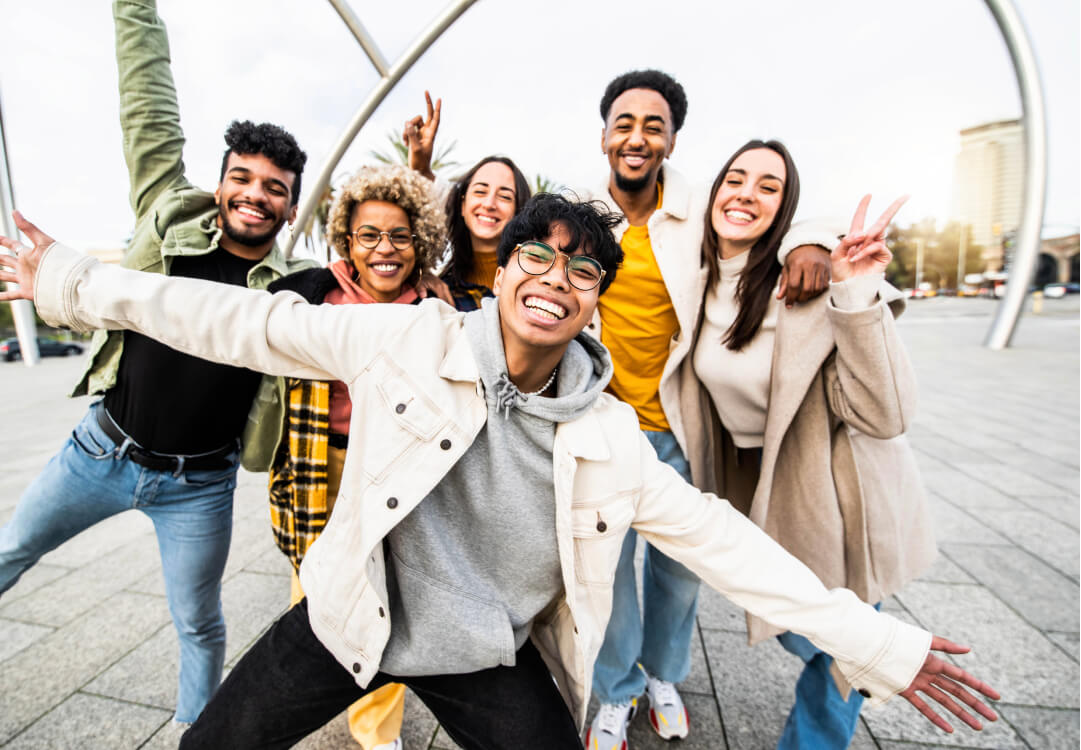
(386, 83)
(1035, 186)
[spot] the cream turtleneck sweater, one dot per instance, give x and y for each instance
(739, 382)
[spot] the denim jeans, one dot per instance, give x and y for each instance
(288, 685)
(86, 482)
(658, 636)
(820, 717)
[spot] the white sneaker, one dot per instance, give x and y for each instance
(609, 728)
(666, 711)
(395, 745)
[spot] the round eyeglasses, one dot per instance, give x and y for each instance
(535, 258)
(370, 237)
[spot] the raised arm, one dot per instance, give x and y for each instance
(149, 116)
(419, 135)
(870, 383)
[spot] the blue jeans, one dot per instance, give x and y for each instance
(820, 717)
(86, 482)
(659, 635)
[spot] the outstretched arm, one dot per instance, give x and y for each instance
(878, 654)
(278, 334)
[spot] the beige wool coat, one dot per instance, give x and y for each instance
(838, 485)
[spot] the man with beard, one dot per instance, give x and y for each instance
(646, 320)
(166, 436)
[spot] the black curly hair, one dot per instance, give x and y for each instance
(654, 80)
(271, 141)
(589, 223)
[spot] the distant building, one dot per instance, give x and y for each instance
(989, 184)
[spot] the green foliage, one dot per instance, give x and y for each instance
(399, 153)
(545, 184)
(940, 254)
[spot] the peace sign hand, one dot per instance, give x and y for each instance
(419, 136)
(21, 267)
(860, 252)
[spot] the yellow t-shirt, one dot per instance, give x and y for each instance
(637, 324)
(484, 265)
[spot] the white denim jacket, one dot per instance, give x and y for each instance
(416, 409)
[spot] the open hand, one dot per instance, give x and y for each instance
(860, 252)
(939, 680)
(22, 267)
(419, 136)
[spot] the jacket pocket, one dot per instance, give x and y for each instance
(599, 528)
(402, 414)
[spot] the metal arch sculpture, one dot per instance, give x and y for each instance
(389, 77)
(1035, 185)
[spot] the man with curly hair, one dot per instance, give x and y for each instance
(165, 438)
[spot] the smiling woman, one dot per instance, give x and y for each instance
(388, 229)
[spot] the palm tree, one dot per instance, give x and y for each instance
(399, 153)
(543, 184)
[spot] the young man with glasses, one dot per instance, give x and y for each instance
(482, 511)
(164, 438)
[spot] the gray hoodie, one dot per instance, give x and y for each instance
(476, 560)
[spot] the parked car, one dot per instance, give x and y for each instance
(1056, 290)
(9, 348)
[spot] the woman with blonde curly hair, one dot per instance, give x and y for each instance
(388, 230)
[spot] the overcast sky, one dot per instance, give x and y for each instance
(868, 95)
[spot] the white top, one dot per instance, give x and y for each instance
(739, 381)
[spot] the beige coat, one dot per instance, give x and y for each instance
(838, 486)
(417, 406)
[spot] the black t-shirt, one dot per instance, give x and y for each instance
(171, 402)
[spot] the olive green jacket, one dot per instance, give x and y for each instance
(172, 217)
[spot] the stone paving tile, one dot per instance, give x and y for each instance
(271, 562)
(952, 524)
(1010, 654)
(1041, 595)
(146, 675)
(99, 539)
(251, 602)
(900, 722)
(19, 635)
(1068, 642)
(66, 598)
(86, 721)
(1045, 728)
(754, 687)
(1010, 479)
(717, 613)
(1052, 542)
(33, 579)
(35, 679)
(166, 738)
(1066, 509)
(963, 491)
(945, 570)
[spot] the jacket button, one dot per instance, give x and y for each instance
(356, 668)
(591, 326)
(864, 692)
(382, 613)
(602, 526)
(444, 444)
(392, 502)
(399, 408)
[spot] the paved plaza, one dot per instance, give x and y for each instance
(88, 654)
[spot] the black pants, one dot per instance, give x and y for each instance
(288, 685)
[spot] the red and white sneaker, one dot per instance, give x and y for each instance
(667, 714)
(609, 728)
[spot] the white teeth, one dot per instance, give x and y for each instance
(546, 308)
(385, 267)
(488, 219)
(251, 212)
(734, 213)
